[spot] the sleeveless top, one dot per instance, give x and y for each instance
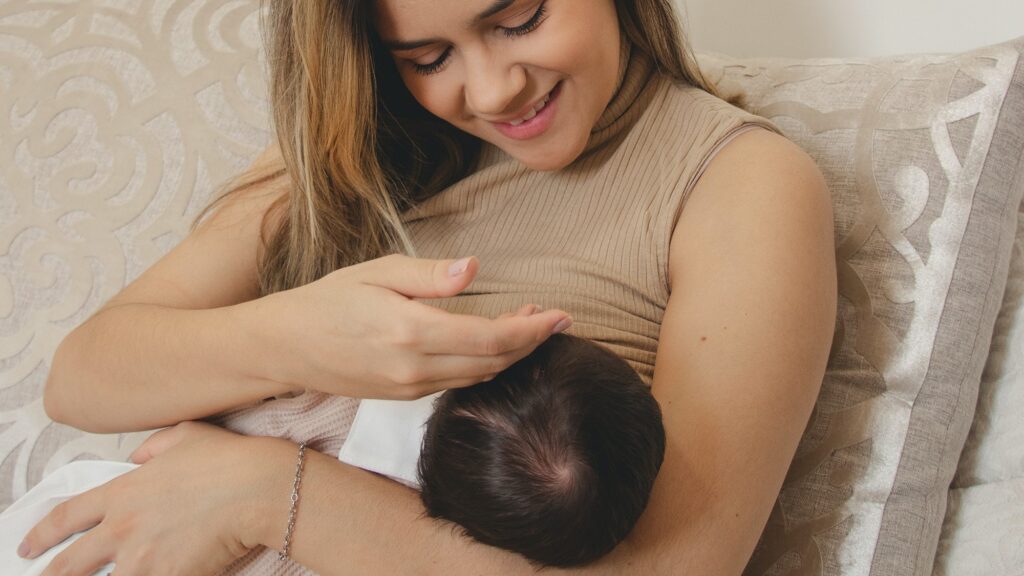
(591, 239)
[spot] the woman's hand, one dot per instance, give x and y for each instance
(181, 512)
(358, 332)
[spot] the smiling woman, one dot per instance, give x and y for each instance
(485, 77)
(559, 141)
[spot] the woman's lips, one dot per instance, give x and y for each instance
(534, 126)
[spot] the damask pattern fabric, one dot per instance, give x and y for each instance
(117, 121)
(118, 118)
(923, 157)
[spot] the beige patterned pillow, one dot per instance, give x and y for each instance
(923, 155)
(117, 120)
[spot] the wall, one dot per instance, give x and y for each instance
(840, 28)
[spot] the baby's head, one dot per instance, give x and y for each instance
(554, 458)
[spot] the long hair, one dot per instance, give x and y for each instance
(356, 149)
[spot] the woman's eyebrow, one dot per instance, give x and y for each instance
(498, 6)
(495, 8)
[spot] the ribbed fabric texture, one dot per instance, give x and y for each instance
(591, 239)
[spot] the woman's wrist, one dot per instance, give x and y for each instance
(272, 479)
(255, 325)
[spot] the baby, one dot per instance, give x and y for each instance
(553, 459)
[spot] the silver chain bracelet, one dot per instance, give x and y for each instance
(283, 554)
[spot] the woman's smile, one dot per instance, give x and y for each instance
(538, 118)
(531, 77)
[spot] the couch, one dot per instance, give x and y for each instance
(119, 119)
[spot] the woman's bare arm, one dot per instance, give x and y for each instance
(743, 349)
(170, 345)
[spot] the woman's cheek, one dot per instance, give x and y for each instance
(434, 95)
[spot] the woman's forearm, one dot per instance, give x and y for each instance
(143, 366)
(350, 521)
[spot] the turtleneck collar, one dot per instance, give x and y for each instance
(635, 70)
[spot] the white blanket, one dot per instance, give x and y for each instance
(386, 436)
(68, 480)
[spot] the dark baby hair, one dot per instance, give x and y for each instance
(553, 459)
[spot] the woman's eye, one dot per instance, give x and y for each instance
(435, 66)
(525, 28)
(530, 25)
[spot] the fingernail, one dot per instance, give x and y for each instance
(561, 326)
(23, 549)
(458, 267)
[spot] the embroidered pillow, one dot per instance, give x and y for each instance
(923, 157)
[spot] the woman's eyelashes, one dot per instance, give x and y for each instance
(529, 26)
(434, 66)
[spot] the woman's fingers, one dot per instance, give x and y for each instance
(467, 369)
(178, 513)
(524, 310)
(166, 438)
(79, 513)
(457, 371)
(158, 442)
(465, 334)
(427, 365)
(83, 557)
(418, 277)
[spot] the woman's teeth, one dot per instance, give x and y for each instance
(540, 106)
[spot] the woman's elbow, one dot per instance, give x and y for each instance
(53, 391)
(58, 401)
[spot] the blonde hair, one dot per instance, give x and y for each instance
(356, 149)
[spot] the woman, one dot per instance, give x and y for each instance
(522, 108)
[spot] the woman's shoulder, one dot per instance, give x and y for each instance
(682, 93)
(755, 163)
(758, 168)
(687, 108)
(685, 124)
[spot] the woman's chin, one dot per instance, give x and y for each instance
(544, 164)
(549, 160)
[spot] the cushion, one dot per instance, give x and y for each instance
(983, 533)
(923, 158)
(117, 122)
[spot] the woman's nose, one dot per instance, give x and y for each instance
(492, 86)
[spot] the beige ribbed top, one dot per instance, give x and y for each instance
(591, 239)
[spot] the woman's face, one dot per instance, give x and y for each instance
(529, 76)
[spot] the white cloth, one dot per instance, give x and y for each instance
(67, 481)
(386, 437)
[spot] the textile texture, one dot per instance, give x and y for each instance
(983, 533)
(923, 158)
(119, 119)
